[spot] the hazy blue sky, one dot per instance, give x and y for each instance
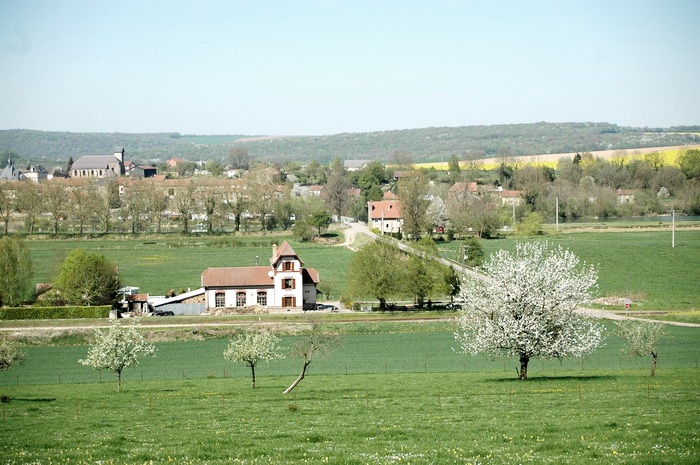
(325, 67)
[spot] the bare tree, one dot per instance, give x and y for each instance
(209, 198)
(317, 342)
(239, 157)
(156, 203)
(413, 192)
(7, 204)
(184, 203)
(336, 189)
(261, 188)
(134, 204)
(56, 203)
(236, 204)
(30, 201)
(402, 159)
(84, 205)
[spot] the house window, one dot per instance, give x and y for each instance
(288, 266)
(288, 283)
(262, 298)
(220, 299)
(240, 299)
(289, 301)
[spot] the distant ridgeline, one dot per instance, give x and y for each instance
(429, 144)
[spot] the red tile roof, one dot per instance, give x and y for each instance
(511, 194)
(391, 209)
(310, 275)
(248, 276)
(284, 250)
(243, 276)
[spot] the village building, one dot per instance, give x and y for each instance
(98, 166)
(11, 174)
(37, 173)
(462, 191)
(356, 165)
(284, 284)
(624, 195)
(385, 216)
(511, 198)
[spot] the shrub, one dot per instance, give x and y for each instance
(53, 313)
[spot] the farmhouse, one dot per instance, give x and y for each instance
(284, 284)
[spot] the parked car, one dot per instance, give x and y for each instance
(163, 313)
(332, 308)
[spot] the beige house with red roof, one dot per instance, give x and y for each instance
(284, 284)
(385, 215)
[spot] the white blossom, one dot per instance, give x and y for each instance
(524, 306)
(251, 348)
(116, 349)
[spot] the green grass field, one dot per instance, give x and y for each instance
(175, 262)
(385, 397)
(641, 265)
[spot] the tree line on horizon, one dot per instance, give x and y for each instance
(426, 144)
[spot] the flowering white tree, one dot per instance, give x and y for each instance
(251, 348)
(524, 305)
(437, 214)
(9, 354)
(642, 336)
(116, 349)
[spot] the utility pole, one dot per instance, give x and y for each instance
(673, 228)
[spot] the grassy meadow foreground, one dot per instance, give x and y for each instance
(391, 393)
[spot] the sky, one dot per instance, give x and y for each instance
(327, 67)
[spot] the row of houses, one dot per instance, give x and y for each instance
(85, 167)
(386, 216)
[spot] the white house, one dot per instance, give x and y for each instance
(385, 215)
(284, 284)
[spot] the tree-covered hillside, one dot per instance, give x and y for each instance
(428, 144)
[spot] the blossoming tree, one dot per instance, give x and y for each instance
(251, 348)
(116, 349)
(642, 338)
(9, 354)
(524, 305)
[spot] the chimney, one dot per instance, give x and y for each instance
(274, 250)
